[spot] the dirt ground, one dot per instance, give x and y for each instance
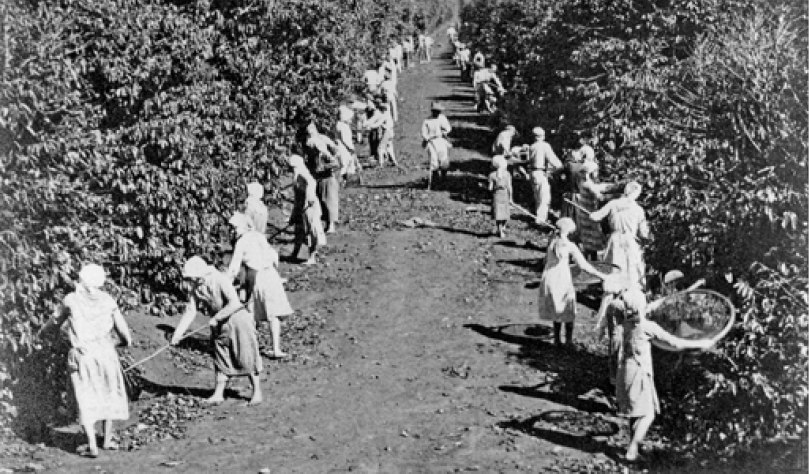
(413, 349)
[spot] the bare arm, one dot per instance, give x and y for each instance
(554, 160)
(583, 263)
(236, 259)
(676, 342)
(189, 315)
(233, 303)
(658, 302)
(121, 327)
(602, 213)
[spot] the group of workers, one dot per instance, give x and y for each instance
(250, 290)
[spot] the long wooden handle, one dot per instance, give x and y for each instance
(155, 353)
(577, 206)
(528, 213)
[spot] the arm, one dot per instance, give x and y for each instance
(233, 304)
(375, 121)
(425, 131)
(676, 342)
(121, 327)
(602, 213)
(593, 188)
(236, 259)
(188, 318)
(445, 126)
(510, 189)
(643, 228)
(552, 158)
(658, 302)
(583, 263)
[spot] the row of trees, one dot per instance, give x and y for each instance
(705, 103)
(129, 128)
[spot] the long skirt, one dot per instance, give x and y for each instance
(501, 205)
(236, 346)
(98, 382)
(385, 145)
(557, 295)
(624, 251)
(266, 297)
(542, 195)
(635, 391)
(438, 153)
(328, 191)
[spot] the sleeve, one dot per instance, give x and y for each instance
(229, 294)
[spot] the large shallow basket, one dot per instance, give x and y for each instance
(695, 315)
(582, 279)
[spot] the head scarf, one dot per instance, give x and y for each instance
(255, 190)
(345, 114)
(239, 220)
(92, 276)
(632, 189)
(565, 226)
(196, 267)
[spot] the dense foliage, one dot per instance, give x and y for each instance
(705, 103)
(129, 128)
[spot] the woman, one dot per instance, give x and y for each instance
(434, 133)
(635, 390)
(557, 295)
(255, 208)
(321, 153)
(233, 330)
(502, 194)
(590, 196)
(306, 211)
(88, 317)
(384, 122)
(628, 223)
(345, 145)
(265, 296)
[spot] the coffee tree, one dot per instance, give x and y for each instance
(128, 130)
(704, 103)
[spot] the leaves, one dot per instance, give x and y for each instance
(129, 130)
(705, 104)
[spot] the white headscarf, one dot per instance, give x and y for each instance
(92, 276)
(239, 220)
(255, 190)
(196, 267)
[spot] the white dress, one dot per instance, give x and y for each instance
(93, 364)
(266, 296)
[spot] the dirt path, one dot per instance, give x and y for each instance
(399, 366)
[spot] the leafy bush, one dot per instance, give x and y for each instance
(703, 102)
(128, 130)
